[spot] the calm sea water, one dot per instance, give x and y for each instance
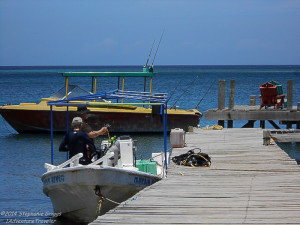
(23, 155)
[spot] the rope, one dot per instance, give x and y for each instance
(214, 127)
(100, 204)
(117, 203)
(102, 198)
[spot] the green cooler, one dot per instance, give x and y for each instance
(147, 166)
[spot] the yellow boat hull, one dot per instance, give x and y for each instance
(32, 117)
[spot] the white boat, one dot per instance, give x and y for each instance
(83, 192)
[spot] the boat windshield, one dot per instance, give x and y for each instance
(74, 91)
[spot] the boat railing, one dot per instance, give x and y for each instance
(74, 161)
(105, 160)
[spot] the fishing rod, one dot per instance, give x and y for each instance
(150, 53)
(184, 91)
(174, 89)
(158, 46)
(198, 105)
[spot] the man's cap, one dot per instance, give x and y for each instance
(77, 120)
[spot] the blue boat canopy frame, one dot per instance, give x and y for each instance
(147, 98)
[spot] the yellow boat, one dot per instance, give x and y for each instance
(33, 117)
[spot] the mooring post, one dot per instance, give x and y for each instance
(231, 101)
(231, 94)
(252, 100)
(266, 137)
(262, 124)
(298, 109)
(221, 99)
(290, 94)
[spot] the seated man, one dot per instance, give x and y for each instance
(77, 141)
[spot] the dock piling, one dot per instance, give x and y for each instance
(290, 94)
(252, 100)
(266, 137)
(231, 101)
(231, 95)
(221, 99)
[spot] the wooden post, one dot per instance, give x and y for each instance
(221, 99)
(266, 137)
(252, 100)
(221, 123)
(289, 125)
(230, 124)
(231, 94)
(290, 94)
(231, 101)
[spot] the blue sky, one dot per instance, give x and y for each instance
(121, 32)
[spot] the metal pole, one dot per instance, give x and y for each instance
(123, 86)
(95, 88)
(92, 85)
(164, 109)
(150, 87)
(68, 153)
(151, 84)
(118, 87)
(52, 145)
(145, 81)
(67, 87)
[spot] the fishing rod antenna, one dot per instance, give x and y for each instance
(174, 105)
(198, 105)
(149, 54)
(157, 47)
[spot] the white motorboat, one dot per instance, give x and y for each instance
(84, 192)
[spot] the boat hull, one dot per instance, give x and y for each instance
(23, 120)
(73, 190)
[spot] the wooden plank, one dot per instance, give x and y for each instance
(245, 112)
(247, 183)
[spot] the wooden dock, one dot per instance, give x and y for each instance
(247, 183)
(290, 135)
(253, 113)
(289, 115)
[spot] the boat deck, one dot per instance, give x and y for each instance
(247, 183)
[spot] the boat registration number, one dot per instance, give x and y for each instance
(54, 180)
(142, 181)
